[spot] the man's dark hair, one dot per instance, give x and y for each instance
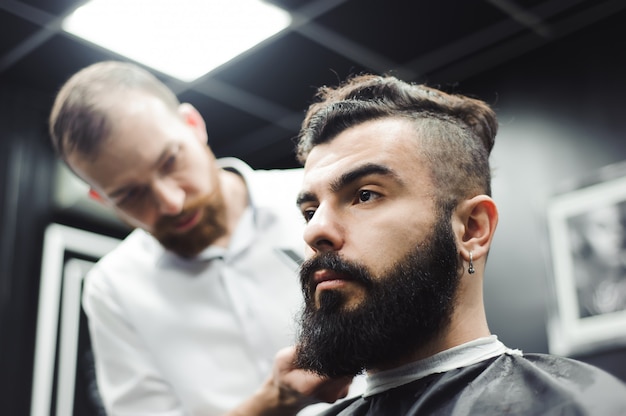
(456, 132)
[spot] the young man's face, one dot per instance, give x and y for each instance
(158, 173)
(382, 268)
(368, 196)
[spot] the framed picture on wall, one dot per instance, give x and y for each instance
(587, 228)
(63, 375)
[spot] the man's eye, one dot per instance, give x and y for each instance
(172, 160)
(308, 214)
(169, 163)
(131, 196)
(366, 195)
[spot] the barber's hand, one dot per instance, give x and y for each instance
(288, 390)
(304, 387)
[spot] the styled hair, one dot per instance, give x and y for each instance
(456, 133)
(81, 116)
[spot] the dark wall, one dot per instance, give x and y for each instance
(28, 168)
(25, 195)
(562, 117)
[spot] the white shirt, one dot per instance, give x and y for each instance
(189, 337)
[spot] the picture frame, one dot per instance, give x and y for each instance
(587, 234)
(62, 346)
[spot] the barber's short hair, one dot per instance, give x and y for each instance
(80, 119)
(456, 133)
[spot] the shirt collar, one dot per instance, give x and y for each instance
(244, 233)
(457, 357)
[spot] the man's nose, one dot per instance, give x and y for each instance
(170, 197)
(324, 231)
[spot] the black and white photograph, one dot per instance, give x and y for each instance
(588, 243)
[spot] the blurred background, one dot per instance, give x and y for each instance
(552, 69)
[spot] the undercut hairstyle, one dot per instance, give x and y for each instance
(81, 118)
(456, 133)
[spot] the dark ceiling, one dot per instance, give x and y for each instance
(253, 105)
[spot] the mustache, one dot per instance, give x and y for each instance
(167, 221)
(332, 261)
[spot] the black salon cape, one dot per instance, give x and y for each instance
(533, 384)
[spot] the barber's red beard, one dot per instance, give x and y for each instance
(190, 243)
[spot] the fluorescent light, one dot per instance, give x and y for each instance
(182, 38)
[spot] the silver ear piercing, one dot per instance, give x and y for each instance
(470, 269)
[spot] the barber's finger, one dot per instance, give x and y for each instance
(333, 390)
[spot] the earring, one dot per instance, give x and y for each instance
(470, 269)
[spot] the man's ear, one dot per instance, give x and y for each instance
(193, 119)
(475, 225)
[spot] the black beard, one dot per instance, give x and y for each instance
(405, 308)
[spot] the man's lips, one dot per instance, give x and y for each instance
(188, 221)
(329, 279)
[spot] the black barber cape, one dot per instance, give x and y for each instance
(532, 384)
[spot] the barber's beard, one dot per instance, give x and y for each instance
(190, 243)
(404, 309)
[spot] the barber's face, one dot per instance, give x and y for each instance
(158, 173)
(382, 268)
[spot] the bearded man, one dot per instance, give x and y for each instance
(400, 220)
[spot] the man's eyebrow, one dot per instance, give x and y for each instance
(361, 171)
(349, 177)
(304, 197)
